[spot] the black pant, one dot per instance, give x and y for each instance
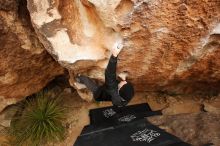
(89, 83)
(99, 92)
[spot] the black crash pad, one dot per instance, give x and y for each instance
(117, 119)
(113, 115)
(140, 132)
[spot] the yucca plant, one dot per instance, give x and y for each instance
(40, 122)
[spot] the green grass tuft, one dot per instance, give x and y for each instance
(40, 121)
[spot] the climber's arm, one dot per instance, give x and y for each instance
(110, 78)
(110, 74)
(111, 82)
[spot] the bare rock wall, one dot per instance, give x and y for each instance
(25, 66)
(170, 46)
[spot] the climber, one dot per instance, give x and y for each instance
(119, 92)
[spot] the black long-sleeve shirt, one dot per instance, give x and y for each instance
(109, 91)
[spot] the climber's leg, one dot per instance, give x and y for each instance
(88, 82)
(98, 91)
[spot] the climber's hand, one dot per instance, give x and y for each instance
(116, 50)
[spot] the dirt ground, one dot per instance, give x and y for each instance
(78, 109)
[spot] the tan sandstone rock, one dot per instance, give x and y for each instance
(180, 105)
(172, 105)
(171, 46)
(197, 129)
(7, 115)
(212, 106)
(25, 67)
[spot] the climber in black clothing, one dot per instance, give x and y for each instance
(120, 93)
